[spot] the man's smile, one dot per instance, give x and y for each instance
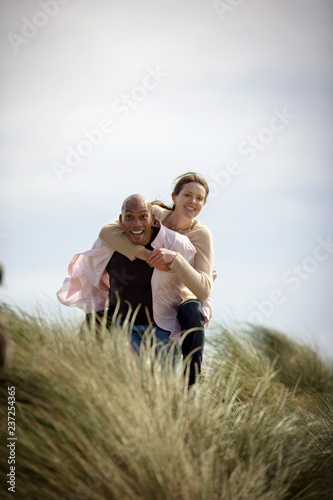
(136, 234)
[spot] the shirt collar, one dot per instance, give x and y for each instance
(159, 240)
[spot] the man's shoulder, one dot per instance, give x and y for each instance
(99, 250)
(169, 233)
(177, 239)
(98, 245)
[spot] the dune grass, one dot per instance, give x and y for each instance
(96, 422)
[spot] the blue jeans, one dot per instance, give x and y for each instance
(160, 336)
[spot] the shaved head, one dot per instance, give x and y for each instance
(135, 198)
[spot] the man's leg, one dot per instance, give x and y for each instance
(157, 335)
(136, 337)
(191, 315)
(164, 342)
(97, 317)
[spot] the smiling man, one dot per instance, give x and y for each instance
(133, 284)
(136, 219)
(146, 296)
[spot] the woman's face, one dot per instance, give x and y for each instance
(190, 200)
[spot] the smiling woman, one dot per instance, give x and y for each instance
(188, 203)
(189, 196)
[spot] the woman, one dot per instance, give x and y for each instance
(189, 196)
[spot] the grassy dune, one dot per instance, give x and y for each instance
(95, 422)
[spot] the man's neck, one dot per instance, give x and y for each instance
(153, 233)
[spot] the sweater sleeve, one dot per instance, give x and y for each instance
(113, 235)
(197, 279)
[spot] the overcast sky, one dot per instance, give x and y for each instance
(100, 99)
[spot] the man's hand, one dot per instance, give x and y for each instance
(160, 258)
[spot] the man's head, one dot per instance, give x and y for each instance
(136, 219)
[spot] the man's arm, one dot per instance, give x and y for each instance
(87, 286)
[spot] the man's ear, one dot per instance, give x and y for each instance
(120, 220)
(152, 217)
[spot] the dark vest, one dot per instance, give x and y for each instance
(131, 280)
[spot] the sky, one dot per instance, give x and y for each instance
(100, 99)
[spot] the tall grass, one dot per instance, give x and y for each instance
(96, 422)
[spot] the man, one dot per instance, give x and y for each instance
(101, 276)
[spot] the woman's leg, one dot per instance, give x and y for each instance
(191, 315)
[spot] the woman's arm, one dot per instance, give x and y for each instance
(198, 279)
(113, 236)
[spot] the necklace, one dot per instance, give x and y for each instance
(175, 228)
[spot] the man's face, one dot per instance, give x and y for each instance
(136, 220)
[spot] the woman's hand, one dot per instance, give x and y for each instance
(161, 258)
